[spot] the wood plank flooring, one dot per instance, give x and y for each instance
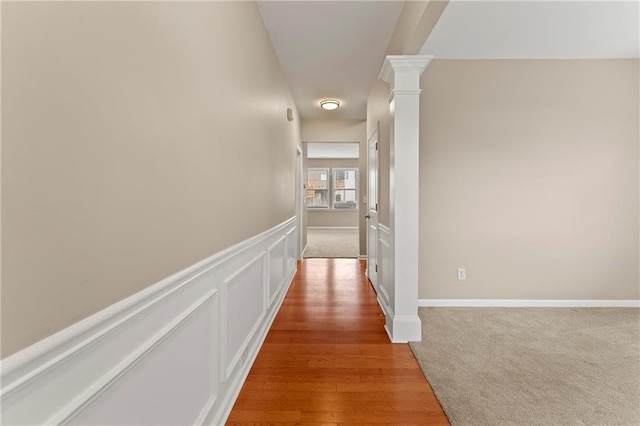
(327, 359)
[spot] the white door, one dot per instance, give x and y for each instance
(299, 201)
(372, 212)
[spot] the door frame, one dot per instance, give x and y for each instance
(373, 192)
(299, 185)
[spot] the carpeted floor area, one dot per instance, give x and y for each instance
(332, 243)
(533, 366)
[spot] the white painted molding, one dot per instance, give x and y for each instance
(335, 228)
(91, 394)
(235, 277)
(406, 328)
(219, 416)
(172, 332)
(64, 339)
(362, 257)
(529, 303)
(384, 228)
(403, 75)
(325, 210)
(394, 63)
(384, 285)
(274, 282)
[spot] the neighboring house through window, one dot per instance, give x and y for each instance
(343, 188)
(318, 188)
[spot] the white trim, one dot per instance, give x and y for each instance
(228, 282)
(206, 410)
(384, 275)
(403, 75)
(396, 92)
(226, 405)
(333, 228)
(23, 357)
(70, 375)
(529, 303)
(362, 257)
(386, 309)
(91, 394)
(270, 285)
(406, 328)
(399, 63)
(332, 210)
(304, 250)
(299, 198)
(65, 338)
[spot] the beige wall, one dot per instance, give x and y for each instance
(332, 130)
(343, 131)
(529, 179)
(334, 218)
(334, 162)
(416, 21)
(137, 139)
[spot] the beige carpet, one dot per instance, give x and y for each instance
(332, 243)
(533, 366)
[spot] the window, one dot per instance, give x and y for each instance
(343, 188)
(318, 188)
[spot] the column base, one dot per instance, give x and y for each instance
(404, 329)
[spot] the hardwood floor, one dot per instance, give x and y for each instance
(327, 359)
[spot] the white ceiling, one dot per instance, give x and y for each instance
(333, 150)
(473, 29)
(334, 49)
(330, 49)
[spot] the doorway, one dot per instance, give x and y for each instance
(372, 210)
(333, 199)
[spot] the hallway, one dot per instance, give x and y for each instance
(332, 243)
(327, 358)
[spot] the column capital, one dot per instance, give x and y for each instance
(395, 64)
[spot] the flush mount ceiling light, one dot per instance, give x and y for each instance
(330, 104)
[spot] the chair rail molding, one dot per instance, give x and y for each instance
(174, 353)
(403, 73)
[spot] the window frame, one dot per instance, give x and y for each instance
(334, 189)
(328, 189)
(331, 189)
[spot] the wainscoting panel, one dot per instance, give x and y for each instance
(385, 271)
(244, 308)
(144, 380)
(175, 353)
(292, 246)
(276, 254)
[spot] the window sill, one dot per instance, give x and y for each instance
(319, 209)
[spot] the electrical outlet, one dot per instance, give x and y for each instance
(462, 274)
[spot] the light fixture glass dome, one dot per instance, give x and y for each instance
(330, 104)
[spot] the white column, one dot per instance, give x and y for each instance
(403, 74)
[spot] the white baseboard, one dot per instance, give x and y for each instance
(405, 328)
(530, 303)
(181, 348)
(362, 257)
(332, 228)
